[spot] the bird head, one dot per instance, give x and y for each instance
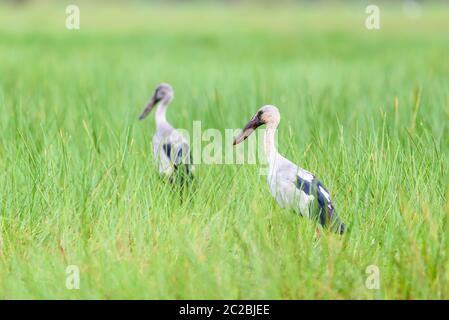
(268, 115)
(164, 91)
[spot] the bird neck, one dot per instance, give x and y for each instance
(269, 144)
(160, 111)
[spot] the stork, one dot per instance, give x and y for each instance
(171, 149)
(291, 186)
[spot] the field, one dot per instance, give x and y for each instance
(366, 111)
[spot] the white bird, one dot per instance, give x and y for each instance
(170, 148)
(291, 186)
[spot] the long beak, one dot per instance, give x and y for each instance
(149, 107)
(252, 125)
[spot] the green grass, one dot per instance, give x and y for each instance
(78, 183)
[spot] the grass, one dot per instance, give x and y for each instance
(367, 111)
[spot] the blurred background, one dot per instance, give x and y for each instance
(366, 110)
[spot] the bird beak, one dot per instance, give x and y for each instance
(149, 107)
(252, 125)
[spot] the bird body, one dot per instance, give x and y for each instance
(292, 186)
(171, 149)
(282, 177)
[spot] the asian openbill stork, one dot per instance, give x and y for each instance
(171, 149)
(292, 186)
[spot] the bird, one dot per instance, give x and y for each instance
(291, 186)
(171, 149)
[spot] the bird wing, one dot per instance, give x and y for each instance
(179, 147)
(161, 151)
(173, 151)
(301, 190)
(313, 187)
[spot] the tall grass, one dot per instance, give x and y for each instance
(367, 111)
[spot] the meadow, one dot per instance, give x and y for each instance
(366, 111)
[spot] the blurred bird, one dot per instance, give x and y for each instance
(292, 186)
(170, 148)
